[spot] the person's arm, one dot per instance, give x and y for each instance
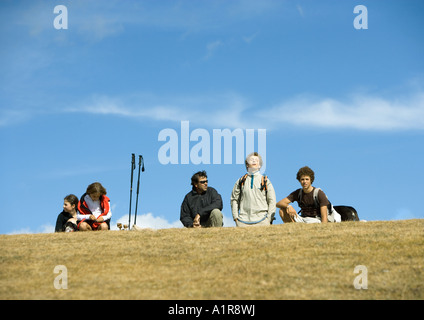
(323, 202)
(185, 216)
(234, 200)
(324, 218)
(103, 218)
(196, 221)
(285, 205)
(59, 223)
(215, 203)
(271, 198)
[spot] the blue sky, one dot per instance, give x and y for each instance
(75, 103)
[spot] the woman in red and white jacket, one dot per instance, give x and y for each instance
(94, 209)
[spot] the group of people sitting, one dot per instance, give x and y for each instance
(253, 200)
(91, 212)
(253, 203)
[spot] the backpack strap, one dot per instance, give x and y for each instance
(264, 185)
(330, 207)
(242, 180)
(315, 195)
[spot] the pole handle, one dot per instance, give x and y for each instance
(141, 160)
(133, 161)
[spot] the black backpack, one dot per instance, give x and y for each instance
(347, 213)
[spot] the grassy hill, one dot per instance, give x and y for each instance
(287, 261)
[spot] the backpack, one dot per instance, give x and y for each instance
(339, 213)
(348, 213)
(242, 180)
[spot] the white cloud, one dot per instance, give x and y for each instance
(224, 110)
(148, 220)
(46, 228)
(232, 110)
(362, 112)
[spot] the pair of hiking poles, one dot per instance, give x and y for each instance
(140, 165)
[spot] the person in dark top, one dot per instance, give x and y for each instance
(67, 219)
(202, 206)
(312, 201)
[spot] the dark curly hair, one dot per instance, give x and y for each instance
(306, 171)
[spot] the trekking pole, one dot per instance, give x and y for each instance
(132, 174)
(140, 160)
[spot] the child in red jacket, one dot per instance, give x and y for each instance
(94, 209)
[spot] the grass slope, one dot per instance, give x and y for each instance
(287, 261)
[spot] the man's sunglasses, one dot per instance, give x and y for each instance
(203, 182)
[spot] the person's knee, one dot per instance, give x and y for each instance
(216, 217)
(103, 226)
(285, 216)
(84, 226)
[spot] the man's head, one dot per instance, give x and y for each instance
(199, 181)
(253, 161)
(305, 171)
(306, 177)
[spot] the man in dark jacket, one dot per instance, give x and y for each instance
(202, 205)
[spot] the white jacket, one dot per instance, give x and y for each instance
(255, 204)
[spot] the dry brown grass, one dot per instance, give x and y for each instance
(289, 261)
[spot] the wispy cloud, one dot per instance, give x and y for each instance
(249, 39)
(46, 228)
(97, 20)
(361, 112)
(211, 48)
(300, 10)
(81, 170)
(231, 110)
(215, 110)
(12, 117)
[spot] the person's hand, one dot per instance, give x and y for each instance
(92, 217)
(100, 219)
(290, 210)
(196, 221)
